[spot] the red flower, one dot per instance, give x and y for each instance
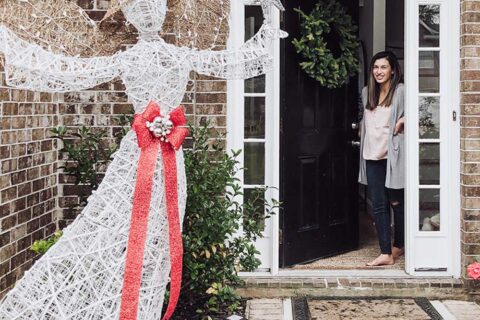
(473, 271)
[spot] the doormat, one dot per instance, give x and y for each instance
(363, 309)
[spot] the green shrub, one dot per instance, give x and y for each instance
(42, 246)
(86, 151)
(215, 249)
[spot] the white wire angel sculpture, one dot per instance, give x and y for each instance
(114, 260)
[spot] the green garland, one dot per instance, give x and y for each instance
(319, 62)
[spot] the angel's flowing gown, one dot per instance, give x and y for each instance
(81, 276)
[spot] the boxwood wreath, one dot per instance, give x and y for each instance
(318, 60)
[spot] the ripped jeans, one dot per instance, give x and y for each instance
(382, 200)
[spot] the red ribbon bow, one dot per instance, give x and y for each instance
(146, 138)
(150, 142)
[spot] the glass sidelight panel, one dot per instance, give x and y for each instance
(429, 26)
(254, 201)
(429, 210)
(255, 117)
(254, 163)
(429, 163)
(253, 20)
(429, 71)
(255, 85)
(429, 117)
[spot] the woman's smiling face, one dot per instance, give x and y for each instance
(382, 71)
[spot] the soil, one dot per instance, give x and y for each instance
(184, 312)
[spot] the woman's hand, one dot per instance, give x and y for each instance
(399, 126)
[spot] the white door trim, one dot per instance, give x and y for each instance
(269, 246)
(445, 243)
(450, 156)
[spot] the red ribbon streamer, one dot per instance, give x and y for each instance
(150, 146)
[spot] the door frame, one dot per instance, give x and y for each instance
(269, 245)
(235, 104)
(450, 139)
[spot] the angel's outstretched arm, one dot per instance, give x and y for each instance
(29, 66)
(251, 59)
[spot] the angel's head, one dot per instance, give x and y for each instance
(146, 15)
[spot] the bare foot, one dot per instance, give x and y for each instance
(397, 252)
(382, 260)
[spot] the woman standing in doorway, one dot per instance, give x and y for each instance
(382, 152)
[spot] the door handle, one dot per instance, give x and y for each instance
(354, 125)
(355, 144)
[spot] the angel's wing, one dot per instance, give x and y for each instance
(59, 26)
(253, 58)
(29, 66)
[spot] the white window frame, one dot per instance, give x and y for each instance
(269, 245)
(442, 248)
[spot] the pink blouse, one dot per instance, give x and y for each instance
(377, 130)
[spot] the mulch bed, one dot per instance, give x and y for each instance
(184, 312)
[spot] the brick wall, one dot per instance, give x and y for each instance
(35, 197)
(28, 179)
(470, 130)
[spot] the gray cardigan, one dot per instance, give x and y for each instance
(396, 153)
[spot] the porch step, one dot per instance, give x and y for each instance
(279, 287)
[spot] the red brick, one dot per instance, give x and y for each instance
(9, 165)
(24, 216)
(18, 177)
(10, 109)
(5, 210)
(33, 173)
(9, 194)
(18, 122)
(18, 260)
(24, 189)
(4, 239)
(9, 222)
(24, 243)
(19, 204)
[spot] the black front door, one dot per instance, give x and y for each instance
(319, 165)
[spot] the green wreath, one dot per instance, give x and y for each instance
(319, 62)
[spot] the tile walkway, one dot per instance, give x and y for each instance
(280, 309)
(265, 309)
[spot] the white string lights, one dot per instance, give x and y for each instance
(59, 26)
(81, 276)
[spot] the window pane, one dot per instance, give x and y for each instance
(254, 117)
(429, 71)
(255, 85)
(254, 163)
(429, 210)
(254, 207)
(429, 163)
(253, 20)
(429, 28)
(429, 117)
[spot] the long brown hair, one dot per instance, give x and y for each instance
(374, 87)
